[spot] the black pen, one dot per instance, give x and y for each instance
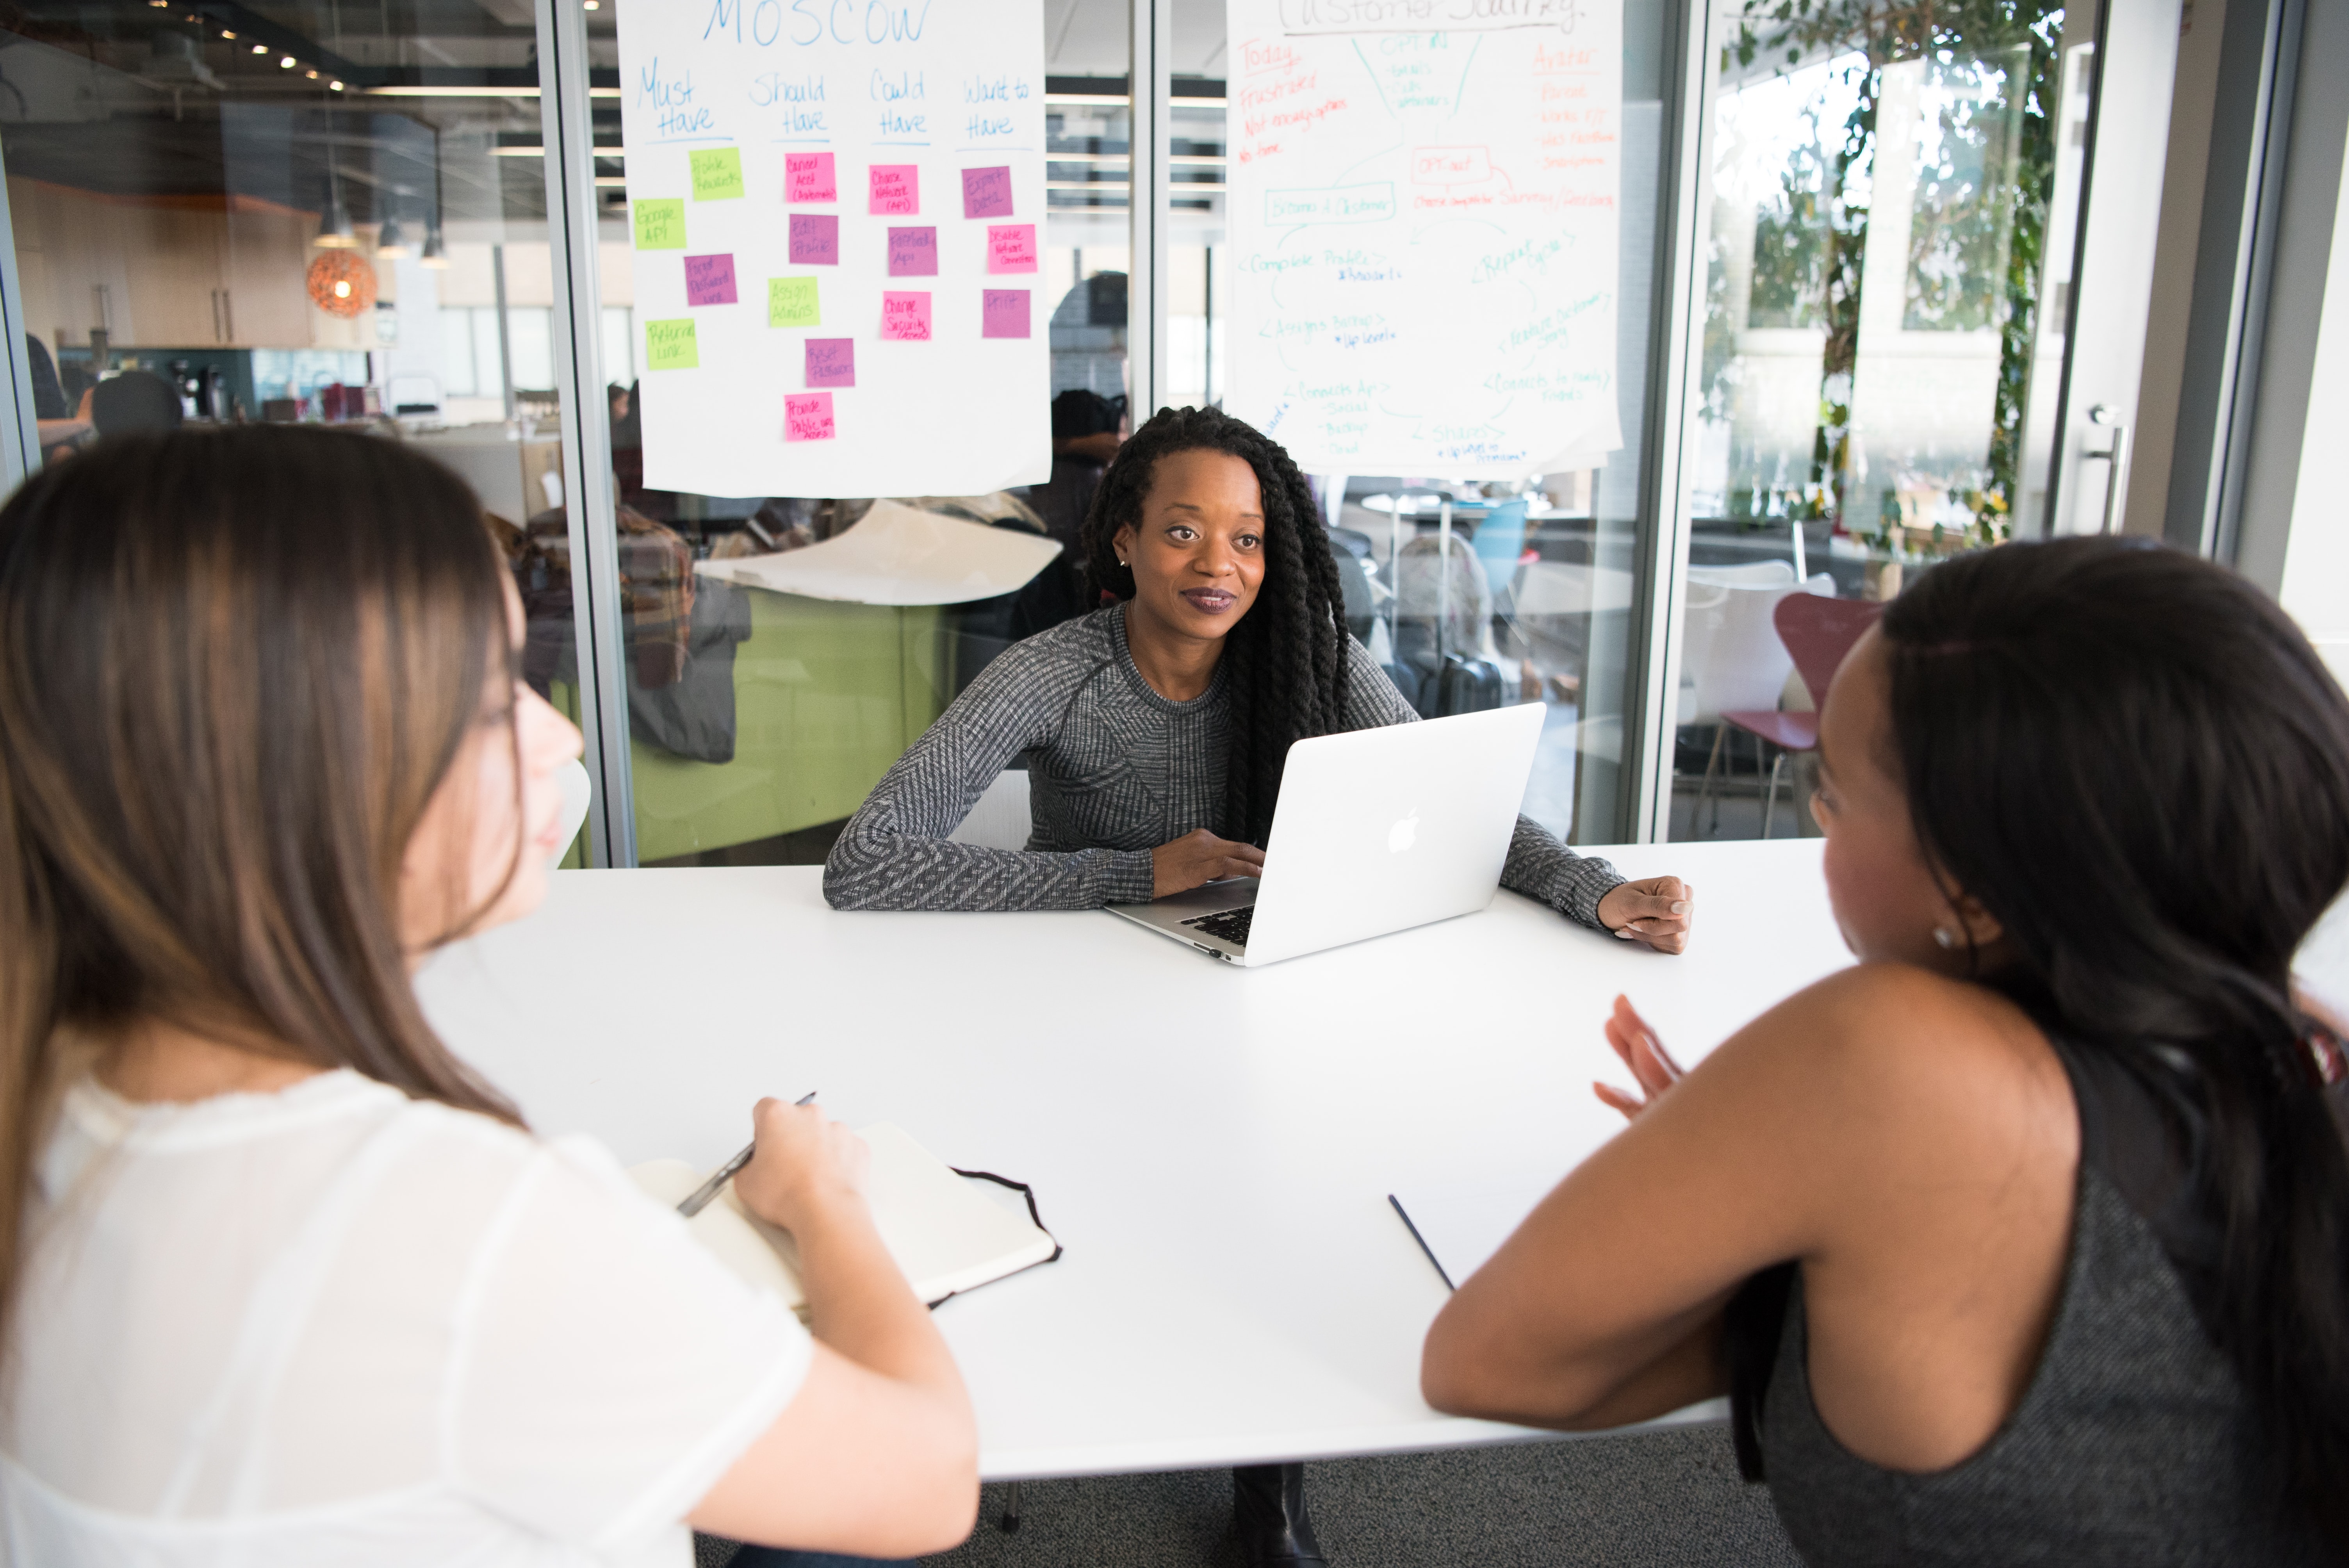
(699, 1198)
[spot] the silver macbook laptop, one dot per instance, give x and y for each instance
(1376, 830)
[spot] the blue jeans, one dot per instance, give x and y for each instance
(790, 1557)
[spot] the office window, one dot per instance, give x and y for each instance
(1533, 602)
(1879, 354)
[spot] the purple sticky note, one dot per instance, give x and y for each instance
(710, 280)
(896, 189)
(1003, 313)
(807, 417)
(987, 193)
(913, 253)
(1011, 247)
(807, 176)
(816, 239)
(904, 317)
(832, 362)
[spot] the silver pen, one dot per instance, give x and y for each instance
(699, 1198)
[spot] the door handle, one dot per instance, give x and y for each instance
(2105, 415)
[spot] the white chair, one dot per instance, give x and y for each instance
(577, 791)
(1731, 656)
(999, 819)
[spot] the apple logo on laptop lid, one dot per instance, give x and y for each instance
(1405, 834)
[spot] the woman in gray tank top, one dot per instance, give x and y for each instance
(2025, 1239)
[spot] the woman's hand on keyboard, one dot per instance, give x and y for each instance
(1200, 857)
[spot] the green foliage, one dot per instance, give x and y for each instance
(1979, 218)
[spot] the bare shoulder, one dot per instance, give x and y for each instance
(1918, 1065)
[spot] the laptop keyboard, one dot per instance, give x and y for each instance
(1232, 925)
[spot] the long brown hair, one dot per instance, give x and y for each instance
(234, 666)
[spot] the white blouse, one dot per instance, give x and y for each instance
(336, 1325)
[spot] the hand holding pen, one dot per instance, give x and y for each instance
(799, 1161)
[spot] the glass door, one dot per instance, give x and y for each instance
(1893, 266)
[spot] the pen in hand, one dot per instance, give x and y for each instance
(699, 1198)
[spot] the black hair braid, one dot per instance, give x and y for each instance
(1284, 665)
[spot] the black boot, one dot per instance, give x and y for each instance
(1269, 1507)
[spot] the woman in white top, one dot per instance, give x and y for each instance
(284, 1281)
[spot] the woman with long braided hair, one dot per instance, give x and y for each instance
(1154, 731)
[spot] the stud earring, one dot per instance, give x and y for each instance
(1121, 561)
(1945, 936)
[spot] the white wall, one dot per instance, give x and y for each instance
(2314, 585)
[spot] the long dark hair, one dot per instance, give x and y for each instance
(234, 666)
(1284, 665)
(2135, 762)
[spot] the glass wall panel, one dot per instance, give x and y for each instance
(1536, 604)
(307, 214)
(759, 720)
(1881, 341)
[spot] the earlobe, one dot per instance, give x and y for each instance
(1982, 927)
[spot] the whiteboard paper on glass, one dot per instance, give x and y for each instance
(1423, 217)
(835, 210)
(898, 554)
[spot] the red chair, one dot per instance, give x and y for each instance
(1818, 633)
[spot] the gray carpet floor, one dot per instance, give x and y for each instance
(1655, 1500)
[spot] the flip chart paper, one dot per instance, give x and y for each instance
(898, 555)
(669, 345)
(807, 417)
(944, 401)
(710, 280)
(832, 362)
(815, 240)
(1011, 248)
(987, 193)
(1003, 313)
(791, 301)
(895, 190)
(913, 253)
(808, 177)
(1422, 232)
(906, 316)
(717, 174)
(660, 224)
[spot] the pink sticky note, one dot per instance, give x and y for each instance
(807, 417)
(832, 362)
(807, 176)
(815, 238)
(904, 317)
(710, 280)
(1011, 247)
(987, 193)
(896, 189)
(1003, 313)
(913, 253)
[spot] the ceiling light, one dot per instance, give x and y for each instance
(337, 85)
(286, 64)
(391, 240)
(261, 48)
(435, 254)
(335, 225)
(312, 75)
(226, 34)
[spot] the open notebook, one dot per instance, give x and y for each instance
(947, 1235)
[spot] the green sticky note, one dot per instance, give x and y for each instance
(669, 345)
(716, 173)
(791, 302)
(660, 225)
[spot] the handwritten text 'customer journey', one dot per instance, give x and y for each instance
(836, 211)
(1423, 230)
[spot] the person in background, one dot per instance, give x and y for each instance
(1155, 731)
(1086, 434)
(286, 1282)
(131, 401)
(2026, 1239)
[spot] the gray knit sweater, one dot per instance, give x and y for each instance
(1114, 771)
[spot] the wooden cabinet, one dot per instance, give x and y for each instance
(163, 272)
